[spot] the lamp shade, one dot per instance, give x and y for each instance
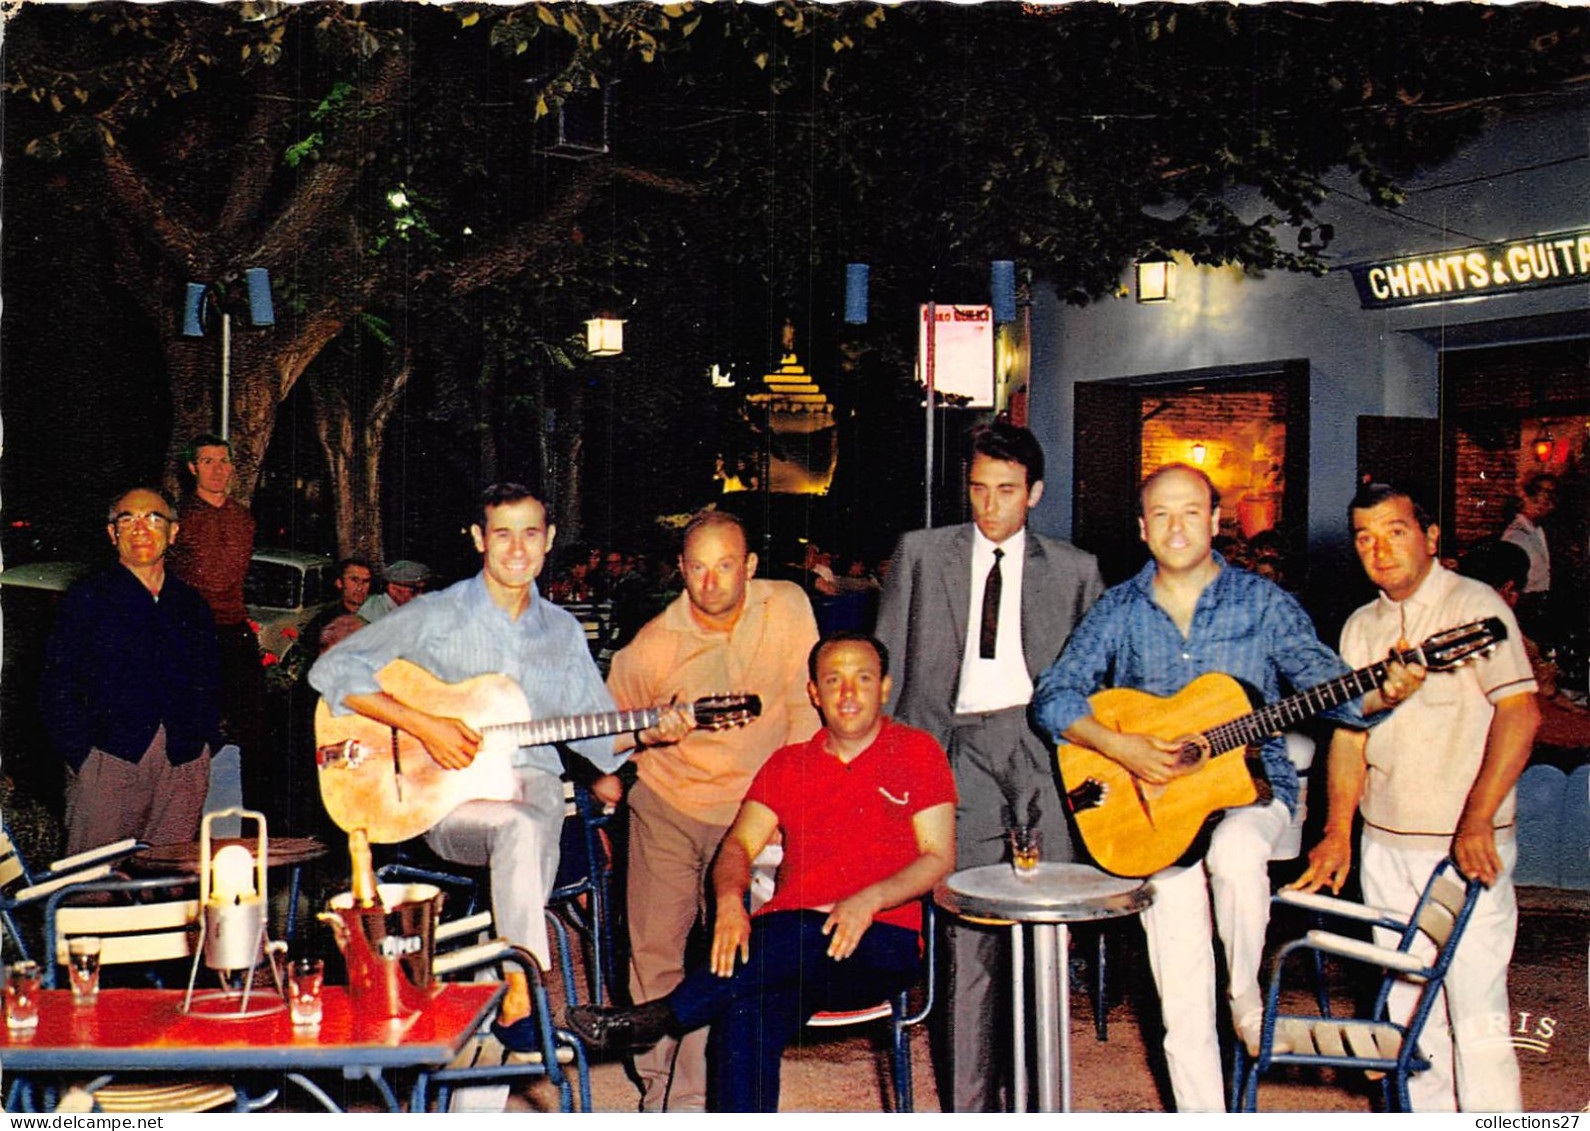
(260, 310)
(193, 311)
(1156, 278)
(604, 336)
(856, 280)
(1002, 289)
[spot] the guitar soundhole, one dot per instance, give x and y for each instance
(1088, 795)
(1194, 748)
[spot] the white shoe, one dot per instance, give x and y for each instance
(1247, 1018)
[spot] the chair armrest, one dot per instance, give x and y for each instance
(470, 957)
(48, 887)
(468, 925)
(104, 852)
(1342, 908)
(1363, 951)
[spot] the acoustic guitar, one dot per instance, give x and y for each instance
(383, 780)
(1135, 829)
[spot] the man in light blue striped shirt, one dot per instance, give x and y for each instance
(495, 621)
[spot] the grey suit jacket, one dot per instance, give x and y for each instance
(922, 616)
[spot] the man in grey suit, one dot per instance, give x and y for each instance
(975, 612)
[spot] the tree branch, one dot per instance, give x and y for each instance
(177, 238)
(330, 181)
(527, 243)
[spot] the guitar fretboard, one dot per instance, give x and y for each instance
(571, 728)
(1284, 713)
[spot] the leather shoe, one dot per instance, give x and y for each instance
(524, 1035)
(602, 1028)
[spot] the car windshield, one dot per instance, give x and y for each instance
(273, 585)
(319, 584)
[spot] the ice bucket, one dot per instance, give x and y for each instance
(387, 948)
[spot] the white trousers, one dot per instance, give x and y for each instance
(1482, 1075)
(518, 840)
(1235, 874)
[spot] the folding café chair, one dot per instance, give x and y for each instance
(1372, 1042)
(24, 888)
(464, 946)
(143, 932)
(900, 1015)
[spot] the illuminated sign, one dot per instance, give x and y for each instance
(963, 352)
(1472, 272)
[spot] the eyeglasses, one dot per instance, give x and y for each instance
(154, 520)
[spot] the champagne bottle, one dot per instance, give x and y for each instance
(364, 889)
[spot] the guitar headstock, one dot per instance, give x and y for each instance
(724, 712)
(1456, 646)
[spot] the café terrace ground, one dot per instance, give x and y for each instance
(847, 1070)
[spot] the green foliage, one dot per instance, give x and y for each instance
(304, 148)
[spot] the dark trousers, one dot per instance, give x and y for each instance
(243, 715)
(1004, 774)
(758, 1011)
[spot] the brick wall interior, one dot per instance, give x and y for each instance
(1244, 440)
(1494, 455)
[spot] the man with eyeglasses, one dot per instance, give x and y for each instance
(130, 692)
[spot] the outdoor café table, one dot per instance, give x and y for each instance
(129, 1030)
(1059, 894)
(182, 859)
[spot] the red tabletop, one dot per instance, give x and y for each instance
(132, 1029)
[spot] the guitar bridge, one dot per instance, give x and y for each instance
(1088, 795)
(347, 754)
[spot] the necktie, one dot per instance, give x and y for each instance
(991, 588)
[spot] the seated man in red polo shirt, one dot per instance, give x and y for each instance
(867, 808)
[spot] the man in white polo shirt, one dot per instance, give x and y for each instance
(1436, 779)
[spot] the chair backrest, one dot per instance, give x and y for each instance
(131, 929)
(1442, 913)
(581, 854)
(1444, 905)
(12, 866)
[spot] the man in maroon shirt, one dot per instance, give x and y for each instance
(213, 557)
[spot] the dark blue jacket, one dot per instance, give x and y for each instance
(120, 663)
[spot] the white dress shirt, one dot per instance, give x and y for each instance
(992, 685)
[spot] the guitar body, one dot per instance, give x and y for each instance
(1130, 827)
(385, 782)
(358, 784)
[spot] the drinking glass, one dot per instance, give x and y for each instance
(1026, 848)
(23, 980)
(83, 963)
(305, 976)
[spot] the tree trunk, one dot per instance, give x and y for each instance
(568, 458)
(353, 441)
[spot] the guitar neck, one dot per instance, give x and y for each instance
(1288, 712)
(571, 728)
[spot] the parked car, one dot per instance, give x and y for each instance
(283, 590)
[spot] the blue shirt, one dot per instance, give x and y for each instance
(460, 633)
(121, 664)
(1243, 626)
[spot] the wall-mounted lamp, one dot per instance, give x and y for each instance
(1200, 451)
(1545, 445)
(604, 336)
(1156, 278)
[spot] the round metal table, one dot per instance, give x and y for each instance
(182, 858)
(1058, 895)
